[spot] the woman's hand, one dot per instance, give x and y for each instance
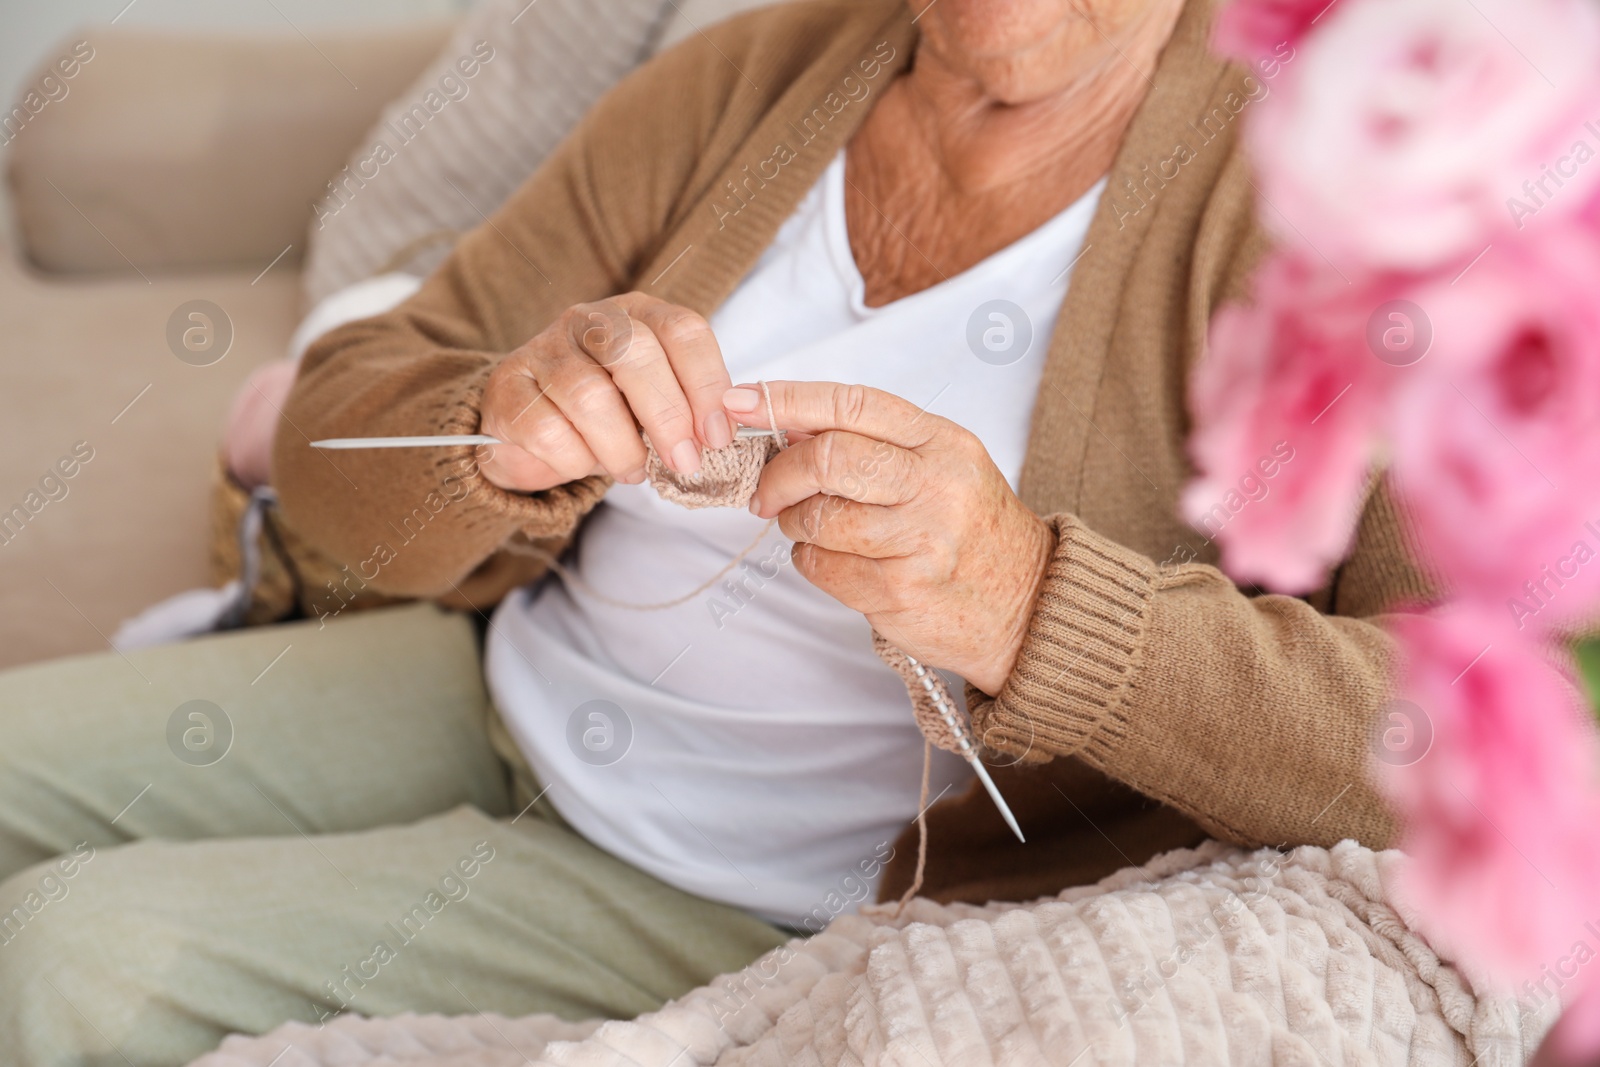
(570, 402)
(903, 516)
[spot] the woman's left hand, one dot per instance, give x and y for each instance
(903, 516)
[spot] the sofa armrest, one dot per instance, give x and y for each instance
(179, 151)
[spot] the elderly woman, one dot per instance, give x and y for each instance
(970, 248)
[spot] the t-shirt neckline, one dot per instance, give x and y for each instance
(837, 233)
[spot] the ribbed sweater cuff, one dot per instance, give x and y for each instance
(1082, 649)
(553, 513)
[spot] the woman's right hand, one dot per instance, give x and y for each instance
(570, 402)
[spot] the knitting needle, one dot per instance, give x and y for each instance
(968, 753)
(440, 440)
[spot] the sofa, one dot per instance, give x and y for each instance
(183, 168)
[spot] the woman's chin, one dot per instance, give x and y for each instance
(996, 27)
(1021, 52)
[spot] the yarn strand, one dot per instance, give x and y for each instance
(573, 579)
(922, 830)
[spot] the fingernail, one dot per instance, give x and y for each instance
(741, 399)
(635, 477)
(719, 433)
(686, 457)
(755, 506)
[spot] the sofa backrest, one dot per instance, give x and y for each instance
(167, 151)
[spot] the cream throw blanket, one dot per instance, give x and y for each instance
(1205, 956)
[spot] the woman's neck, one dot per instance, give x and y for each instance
(962, 157)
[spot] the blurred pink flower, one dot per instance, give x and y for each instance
(1292, 367)
(1401, 133)
(1442, 158)
(1248, 30)
(1575, 1039)
(1498, 815)
(1589, 214)
(1496, 443)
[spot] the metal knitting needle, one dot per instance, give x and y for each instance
(968, 753)
(440, 440)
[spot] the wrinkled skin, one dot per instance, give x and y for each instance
(903, 516)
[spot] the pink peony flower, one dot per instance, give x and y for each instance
(1405, 127)
(1445, 157)
(1497, 442)
(1289, 375)
(1248, 30)
(1498, 815)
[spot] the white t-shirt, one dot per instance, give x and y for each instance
(748, 746)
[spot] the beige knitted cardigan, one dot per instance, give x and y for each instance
(1164, 703)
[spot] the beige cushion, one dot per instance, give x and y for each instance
(182, 151)
(453, 145)
(406, 191)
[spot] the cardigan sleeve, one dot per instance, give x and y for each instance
(580, 229)
(1250, 714)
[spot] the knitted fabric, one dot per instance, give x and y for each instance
(727, 477)
(926, 690)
